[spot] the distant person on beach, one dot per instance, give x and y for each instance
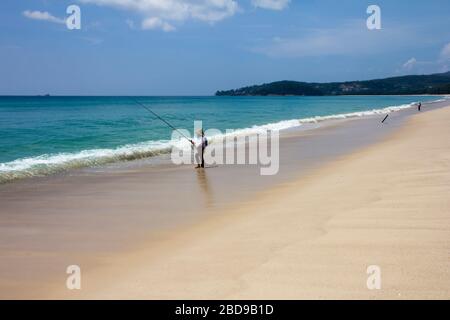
(200, 143)
(419, 106)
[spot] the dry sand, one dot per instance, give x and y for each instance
(386, 205)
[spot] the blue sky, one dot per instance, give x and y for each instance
(195, 47)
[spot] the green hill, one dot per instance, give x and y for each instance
(416, 84)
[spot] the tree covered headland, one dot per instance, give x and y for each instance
(416, 84)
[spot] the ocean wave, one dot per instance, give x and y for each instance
(358, 114)
(53, 163)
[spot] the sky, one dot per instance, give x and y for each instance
(195, 47)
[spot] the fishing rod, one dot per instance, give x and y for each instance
(160, 118)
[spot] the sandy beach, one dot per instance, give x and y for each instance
(310, 234)
(224, 158)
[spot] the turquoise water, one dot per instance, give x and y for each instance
(41, 135)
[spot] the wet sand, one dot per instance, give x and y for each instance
(336, 207)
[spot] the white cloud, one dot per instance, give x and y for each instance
(440, 64)
(156, 23)
(351, 39)
(410, 64)
(445, 52)
(43, 16)
(271, 4)
(161, 14)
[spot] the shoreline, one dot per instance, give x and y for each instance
(147, 152)
(122, 203)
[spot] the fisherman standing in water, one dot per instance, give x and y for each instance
(419, 106)
(200, 143)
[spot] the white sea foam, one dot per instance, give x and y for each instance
(53, 163)
(357, 114)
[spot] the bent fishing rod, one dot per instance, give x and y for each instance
(160, 118)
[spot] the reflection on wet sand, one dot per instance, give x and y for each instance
(205, 187)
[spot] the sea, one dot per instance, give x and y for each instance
(44, 135)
